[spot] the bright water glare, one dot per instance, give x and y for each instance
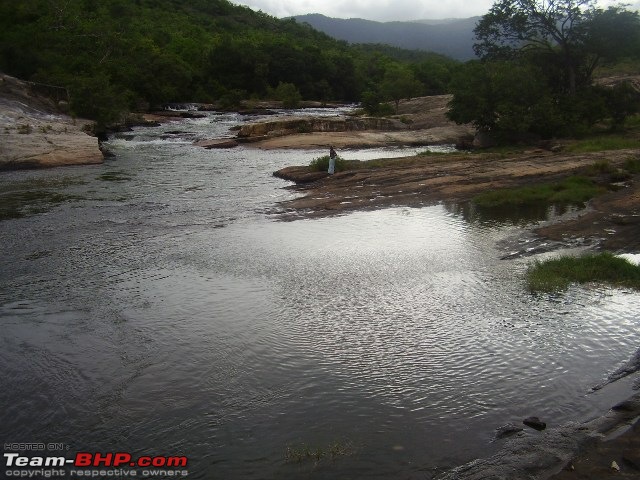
(156, 304)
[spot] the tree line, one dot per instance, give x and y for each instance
(534, 76)
(122, 55)
(535, 73)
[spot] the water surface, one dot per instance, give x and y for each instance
(159, 306)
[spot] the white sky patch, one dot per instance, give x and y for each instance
(386, 10)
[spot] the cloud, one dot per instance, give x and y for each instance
(380, 10)
(385, 10)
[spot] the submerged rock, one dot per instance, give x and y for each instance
(507, 430)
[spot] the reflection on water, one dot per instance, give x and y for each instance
(509, 214)
(166, 312)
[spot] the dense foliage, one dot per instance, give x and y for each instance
(117, 55)
(535, 76)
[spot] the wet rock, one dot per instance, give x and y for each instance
(257, 111)
(483, 140)
(632, 366)
(507, 430)
(209, 144)
(299, 174)
(289, 126)
(629, 405)
(535, 423)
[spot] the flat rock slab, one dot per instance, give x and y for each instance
(33, 137)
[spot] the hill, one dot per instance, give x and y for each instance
(452, 37)
(118, 55)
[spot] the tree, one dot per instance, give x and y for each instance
(399, 82)
(509, 100)
(288, 94)
(572, 33)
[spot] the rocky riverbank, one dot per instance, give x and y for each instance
(419, 121)
(35, 134)
(580, 451)
(613, 219)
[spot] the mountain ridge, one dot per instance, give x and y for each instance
(451, 37)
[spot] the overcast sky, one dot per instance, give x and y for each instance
(384, 10)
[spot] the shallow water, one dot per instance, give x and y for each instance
(161, 308)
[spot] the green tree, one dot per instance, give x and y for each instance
(288, 94)
(399, 82)
(574, 34)
(622, 101)
(505, 99)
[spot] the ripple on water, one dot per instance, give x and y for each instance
(397, 329)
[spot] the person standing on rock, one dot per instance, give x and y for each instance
(332, 160)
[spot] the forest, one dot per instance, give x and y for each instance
(542, 67)
(535, 73)
(115, 56)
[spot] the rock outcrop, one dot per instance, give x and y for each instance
(289, 126)
(418, 122)
(34, 134)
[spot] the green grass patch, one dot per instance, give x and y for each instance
(603, 142)
(557, 274)
(573, 190)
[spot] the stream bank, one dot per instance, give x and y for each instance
(612, 219)
(35, 134)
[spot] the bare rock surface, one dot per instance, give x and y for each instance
(34, 134)
(419, 122)
(555, 452)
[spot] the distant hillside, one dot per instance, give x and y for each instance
(451, 37)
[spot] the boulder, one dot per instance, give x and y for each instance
(34, 134)
(535, 423)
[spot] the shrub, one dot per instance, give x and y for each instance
(322, 164)
(288, 93)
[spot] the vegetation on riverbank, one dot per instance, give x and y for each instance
(601, 142)
(573, 190)
(557, 274)
(537, 73)
(321, 164)
(119, 55)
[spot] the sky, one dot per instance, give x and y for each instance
(386, 10)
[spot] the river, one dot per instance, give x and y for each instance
(157, 305)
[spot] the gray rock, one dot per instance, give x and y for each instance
(535, 423)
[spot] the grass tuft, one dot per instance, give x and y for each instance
(573, 190)
(557, 274)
